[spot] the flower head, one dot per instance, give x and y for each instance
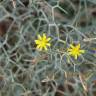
(42, 42)
(93, 51)
(75, 51)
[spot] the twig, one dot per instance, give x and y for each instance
(89, 39)
(14, 3)
(83, 84)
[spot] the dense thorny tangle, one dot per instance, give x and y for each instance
(23, 68)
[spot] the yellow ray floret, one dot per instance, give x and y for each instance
(75, 51)
(42, 42)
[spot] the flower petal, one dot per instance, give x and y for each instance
(71, 46)
(48, 44)
(38, 46)
(82, 51)
(37, 41)
(78, 46)
(48, 39)
(39, 37)
(45, 48)
(69, 49)
(75, 56)
(44, 36)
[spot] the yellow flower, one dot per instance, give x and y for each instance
(42, 42)
(75, 51)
